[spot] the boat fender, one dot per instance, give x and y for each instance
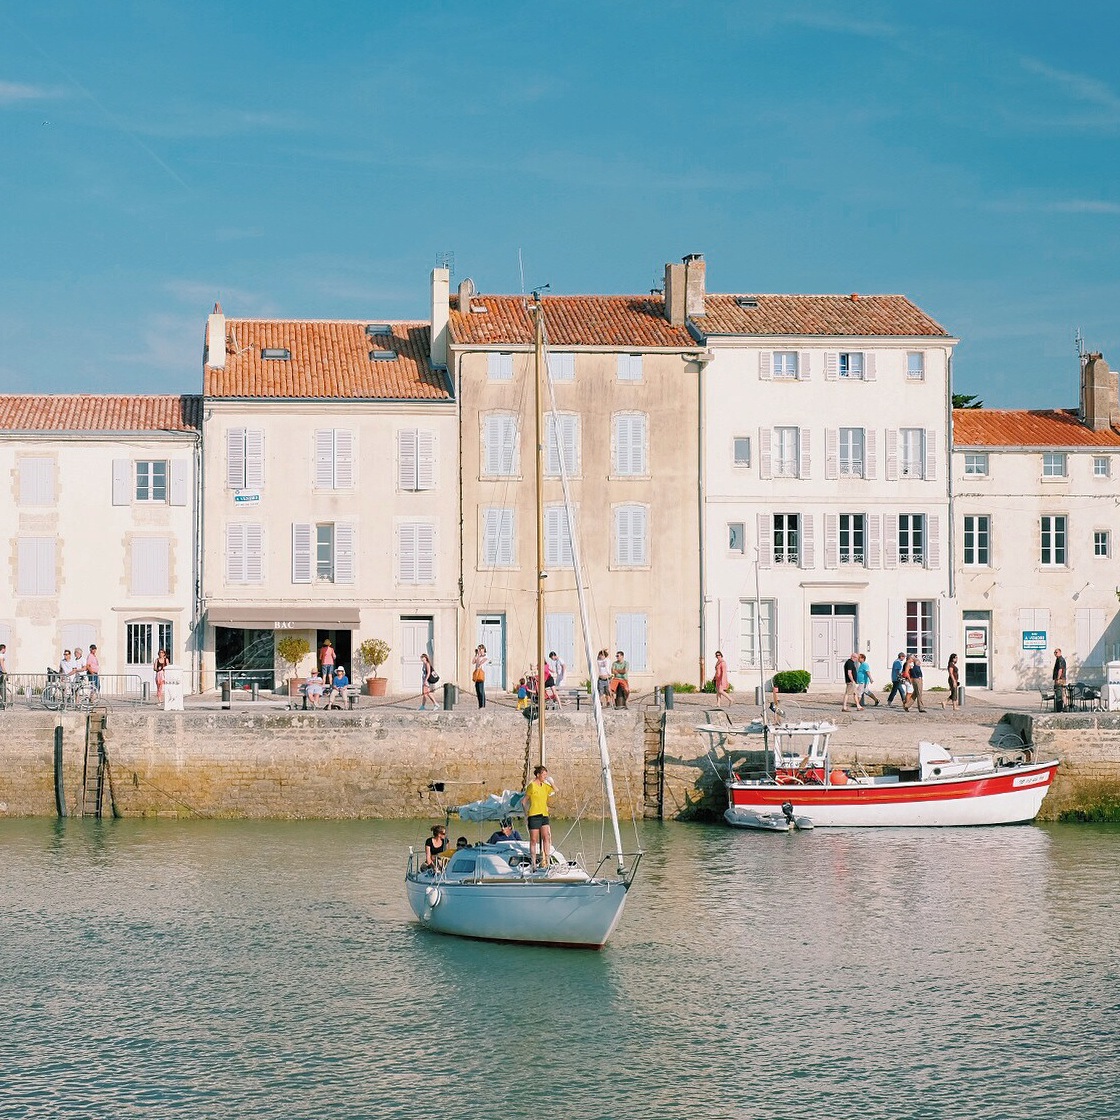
(433, 896)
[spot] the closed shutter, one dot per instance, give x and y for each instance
(343, 459)
(497, 538)
(76, 635)
(406, 459)
(765, 453)
(765, 540)
(630, 632)
(345, 552)
(324, 459)
(180, 481)
(804, 369)
(150, 566)
(557, 538)
(831, 453)
(933, 541)
(254, 459)
(765, 365)
(630, 444)
(501, 435)
(499, 367)
(562, 366)
(562, 432)
(631, 535)
(931, 455)
(831, 540)
(560, 636)
(36, 481)
(36, 566)
(870, 461)
(806, 555)
(869, 367)
(122, 482)
(804, 458)
(235, 459)
(892, 454)
(874, 540)
(302, 536)
(425, 460)
(890, 558)
(831, 366)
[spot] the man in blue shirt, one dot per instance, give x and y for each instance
(506, 832)
(896, 678)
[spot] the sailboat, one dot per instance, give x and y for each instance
(492, 891)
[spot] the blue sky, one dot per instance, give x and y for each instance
(313, 160)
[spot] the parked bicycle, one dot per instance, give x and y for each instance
(71, 692)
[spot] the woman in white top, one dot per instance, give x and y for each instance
(478, 674)
(603, 665)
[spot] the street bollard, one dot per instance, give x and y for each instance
(448, 696)
(225, 694)
(667, 692)
(960, 696)
(255, 690)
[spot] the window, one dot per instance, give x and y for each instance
(1101, 466)
(499, 367)
(334, 459)
(742, 451)
(143, 640)
(629, 367)
(911, 538)
(498, 526)
(630, 439)
(1101, 543)
(786, 538)
(36, 561)
(851, 452)
(851, 365)
(416, 459)
(630, 632)
(784, 363)
(913, 452)
(852, 538)
(36, 481)
(919, 629)
(1053, 541)
(561, 433)
(557, 538)
(975, 464)
(786, 452)
(757, 630)
(562, 367)
(416, 552)
(323, 553)
(500, 445)
(631, 536)
(151, 480)
(244, 553)
(1053, 464)
(151, 565)
(244, 459)
(977, 541)
(736, 538)
(276, 354)
(915, 365)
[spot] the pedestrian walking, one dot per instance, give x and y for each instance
(426, 682)
(914, 676)
(478, 674)
(719, 677)
(896, 679)
(1059, 681)
(954, 683)
(865, 681)
(851, 685)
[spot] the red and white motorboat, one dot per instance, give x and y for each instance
(800, 787)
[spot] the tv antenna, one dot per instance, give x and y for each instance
(1080, 343)
(446, 260)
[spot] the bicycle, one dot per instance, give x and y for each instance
(59, 694)
(7, 692)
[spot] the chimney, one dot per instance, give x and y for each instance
(215, 357)
(466, 290)
(441, 310)
(694, 284)
(674, 294)
(1100, 401)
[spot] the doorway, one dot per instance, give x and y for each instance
(833, 637)
(492, 634)
(343, 648)
(977, 649)
(416, 638)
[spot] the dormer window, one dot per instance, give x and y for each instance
(276, 354)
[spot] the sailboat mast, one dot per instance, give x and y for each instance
(538, 402)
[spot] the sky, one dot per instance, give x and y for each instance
(309, 160)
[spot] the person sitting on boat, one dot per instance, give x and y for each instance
(506, 831)
(537, 793)
(462, 843)
(435, 846)
(620, 673)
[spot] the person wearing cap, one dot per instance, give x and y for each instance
(506, 831)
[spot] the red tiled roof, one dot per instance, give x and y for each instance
(852, 316)
(330, 359)
(83, 412)
(995, 427)
(611, 321)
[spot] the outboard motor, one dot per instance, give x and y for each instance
(787, 812)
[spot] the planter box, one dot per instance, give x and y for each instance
(295, 684)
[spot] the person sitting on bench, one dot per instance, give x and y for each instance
(314, 689)
(620, 684)
(336, 696)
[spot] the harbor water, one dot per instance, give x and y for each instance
(248, 969)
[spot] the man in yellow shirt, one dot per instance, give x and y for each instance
(537, 793)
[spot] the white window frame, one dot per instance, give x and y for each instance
(499, 366)
(630, 445)
(787, 531)
(1102, 466)
(976, 464)
(915, 365)
(1054, 540)
(749, 633)
(851, 365)
(853, 453)
(144, 638)
(1102, 543)
(737, 538)
(1055, 464)
(631, 536)
(630, 367)
(741, 451)
(498, 537)
(561, 365)
(147, 490)
(787, 452)
(852, 542)
(785, 365)
(921, 632)
(912, 452)
(912, 539)
(976, 541)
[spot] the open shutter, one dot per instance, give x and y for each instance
(235, 553)
(570, 429)
(254, 459)
(301, 552)
(254, 553)
(343, 458)
(765, 365)
(930, 441)
(831, 366)
(874, 540)
(933, 541)
(807, 556)
(122, 482)
(869, 367)
(345, 552)
(425, 554)
(831, 453)
(27, 581)
(406, 459)
(831, 540)
(235, 458)
(892, 454)
(804, 370)
(870, 460)
(804, 458)
(324, 459)
(765, 453)
(425, 460)
(180, 481)
(890, 559)
(765, 540)
(406, 553)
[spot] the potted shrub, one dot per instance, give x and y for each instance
(292, 651)
(371, 655)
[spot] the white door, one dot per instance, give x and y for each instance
(416, 638)
(833, 639)
(492, 634)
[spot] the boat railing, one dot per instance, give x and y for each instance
(628, 865)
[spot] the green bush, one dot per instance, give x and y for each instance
(681, 686)
(710, 686)
(792, 680)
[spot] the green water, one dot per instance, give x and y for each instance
(259, 969)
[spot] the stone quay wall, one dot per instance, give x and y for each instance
(279, 764)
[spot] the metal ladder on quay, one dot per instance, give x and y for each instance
(95, 765)
(653, 765)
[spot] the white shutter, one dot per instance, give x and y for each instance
(896, 625)
(630, 637)
(631, 536)
(890, 560)
(235, 553)
(122, 482)
(497, 538)
(831, 366)
(933, 540)
(180, 481)
(892, 454)
(36, 481)
(324, 458)
(806, 554)
(406, 459)
(254, 553)
(765, 540)
(36, 566)
(804, 458)
(558, 541)
(874, 523)
(406, 553)
(765, 453)
(831, 540)
(765, 365)
(562, 432)
(425, 554)
(235, 459)
(560, 635)
(869, 367)
(562, 366)
(870, 462)
(499, 367)
(150, 566)
(425, 460)
(344, 552)
(302, 534)
(930, 441)
(831, 453)
(630, 444)
(343, 458)
(501, 435)
(254, 459)
(804, 370)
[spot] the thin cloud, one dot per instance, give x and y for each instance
(13, 93)
(1054, 206)
(1092, 91)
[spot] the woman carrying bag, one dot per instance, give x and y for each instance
(478, 674)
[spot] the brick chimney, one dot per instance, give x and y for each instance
(1100, 399)
(674, 294)
(215, 357)
(694, 284)
(441, 311)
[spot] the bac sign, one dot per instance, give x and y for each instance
(1034, 639)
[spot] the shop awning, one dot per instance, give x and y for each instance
(279, 617)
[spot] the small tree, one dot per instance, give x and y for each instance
(372, 654)
(292, 651)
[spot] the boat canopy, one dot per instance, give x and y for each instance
(493, 807)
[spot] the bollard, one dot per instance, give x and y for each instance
(448, 696)
(667, 691)
(960, 695)
(225, 694)
(255, 690)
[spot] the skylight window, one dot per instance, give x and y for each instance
(379, 329)
(382, 355)
(276, 354)
(746, 301)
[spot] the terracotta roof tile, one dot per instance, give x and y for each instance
(850, 316)
(329, 359)
(610, 321)
(994, 427)
(83, 412)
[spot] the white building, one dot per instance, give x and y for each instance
(825, 481)
(331, 495)
(1036, 523)
(99, 526)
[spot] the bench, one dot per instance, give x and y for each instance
(332, 700)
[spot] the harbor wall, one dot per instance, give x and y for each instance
(279, 764)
